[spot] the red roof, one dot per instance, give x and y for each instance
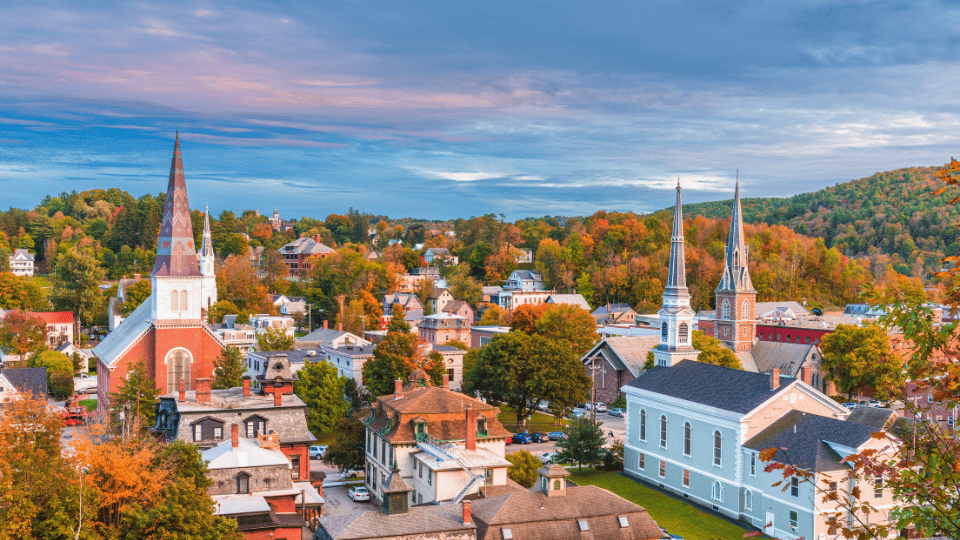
(54, 317)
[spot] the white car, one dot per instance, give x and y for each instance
(358, 494)
(352, 474)
(547, 457)
(317, 451)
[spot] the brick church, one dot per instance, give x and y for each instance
(167, 332)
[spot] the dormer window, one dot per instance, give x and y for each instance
(482, 426)
(254, 426)
(421, 429)
(243, 483)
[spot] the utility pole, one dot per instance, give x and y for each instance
(593, 388)
(309, 318)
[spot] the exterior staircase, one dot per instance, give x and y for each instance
(444, 452)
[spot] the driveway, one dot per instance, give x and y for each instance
(336, 502)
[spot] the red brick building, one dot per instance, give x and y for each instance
(167, 332)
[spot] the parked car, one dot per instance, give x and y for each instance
(601, 407)
(614, 411)
(509, 440)
(351, 473)
(576, 413)
(521, 438)
(556, 435)
(317, 451)
(358, 494)
(538, 437)
(547, 457)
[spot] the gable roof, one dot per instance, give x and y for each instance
(27, 380)
(324, 337)
(54, 317)
(419, 520)
(787, 357)
(762, 308)
(624, 352)
(527, 275)
(801, 437)
(134, 327)
(22, 254)
(872, 416)
(572, 299)
(724, 388)
(612, 308)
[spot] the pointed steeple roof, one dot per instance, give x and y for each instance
(676, 278)
(206, 251)
(736, 275)
(176, 253)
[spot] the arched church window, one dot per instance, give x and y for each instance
(183, 300)
(745, 310)
(173, 301)
(663, 333)
(178, 368)
(682, 333)
(725, 309)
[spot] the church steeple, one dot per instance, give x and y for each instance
(676, 316)
(735, 294)
(176, 254)
(206, 251)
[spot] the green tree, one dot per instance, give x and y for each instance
(22, 334)
(357, 395)
(135, 295)
(713, 351)
(76, 284)
(494, 315)
(221, 309)
(524, 468)
(347, 452)
(137, 393)
(859, 357)
(59, 372)
(228, 368)
(570, 323)
(462, 285)
(18, 292)
(275, 339)
(524, 370)
(398, 355)
(323, 391)
(583, 442)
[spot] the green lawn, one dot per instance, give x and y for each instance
(677, 517)
(90, 404)
(538, 422)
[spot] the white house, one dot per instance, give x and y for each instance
(21, 262)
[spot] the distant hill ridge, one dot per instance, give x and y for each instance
(893, 211)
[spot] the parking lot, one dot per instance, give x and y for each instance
(336, 502)
(613, 424)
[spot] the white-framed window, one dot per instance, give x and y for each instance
(683, 333)
(663, 431)
(878, 486)
(198, 432)
(663, 333)
(643, 424)
(641, 461)
(717, 492)
(753, 464)
(717, 448)
(686, 478)
(686, 438)
(794, 486)
(793, 521)
(725, 309)
(748, 500)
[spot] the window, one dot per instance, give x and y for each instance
(173, 301)
(686, 477)
(243, 483)
(878, 486)
(725, 309)
(794, 487)
(421, 429)
(556, 485)
(198, 432)
(745, 312)
(488, 476)
(507, 533)
(663, 333)
(183, 300)
(682, 333)
(640, 462)
(748, 500)
(295, 467)
(643, 425)
(623, 522)
(753, 464)
(663, 432)
(793, 521)
(686, 438)
(832, 490)
(178, 368)
(717, 449)
(717, 491)
(255, 425)
(663, 469)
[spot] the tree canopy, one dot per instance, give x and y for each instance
(583, 442)
(228, 368)
(323, 392)
(23, 334)
(859, 357)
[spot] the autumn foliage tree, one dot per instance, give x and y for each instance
(398, 355)
(238, 283)
(23, 333)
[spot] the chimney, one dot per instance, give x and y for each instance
(471, 440)
(136, 276)
(774, 378)
(246, 386)
(203, 390)
(277, 395)
(339, 327)
(235, 435)
(325, 325)
(446, 381)
(467, 517)
(183, 391)
(398, 389)
(316, 238)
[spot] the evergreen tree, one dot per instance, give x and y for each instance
(583, 442)
(228, 368)
(137, 393)
(347, 452)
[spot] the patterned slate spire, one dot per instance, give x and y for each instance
(677, 279)
(736, 275)
(176, 254)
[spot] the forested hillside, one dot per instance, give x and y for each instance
(891, 213)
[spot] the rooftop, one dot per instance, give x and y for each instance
(419, 520)
(812, 442)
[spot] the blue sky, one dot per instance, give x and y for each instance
(442, 109)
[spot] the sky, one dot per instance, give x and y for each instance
(445, 109)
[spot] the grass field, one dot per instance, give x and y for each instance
(675, 516)
(90, 404)
(538, 422)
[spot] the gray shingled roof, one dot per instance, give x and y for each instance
(373, 524)
(787, 357)
(802, 436)
(28, 380)
(872, 416)
(715, 386)
(625, 352)
(612, 308)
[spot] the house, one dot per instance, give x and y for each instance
(405, 429)
(459, 308)
(16, 383)
(615, 314)
(252, 484)
(167, 331)
(439, 255)
(258, 361)
(572, 299)
(243, 337)
(491, 293)
(408, 282)
(409, 303)
(696, 429)
(524, 280)
(526, 256)
(61, 327)
(453, 362)
(790, 359)
(22, 262)
(438, 299)
(616, 361)
(557, 510)
(289, 305)
(203, 416)
(481, 335)
(926, 408)
(263, 322)
(782, 310)
(328, 337)
(300, 254)
(512, 299)
(443, 327)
